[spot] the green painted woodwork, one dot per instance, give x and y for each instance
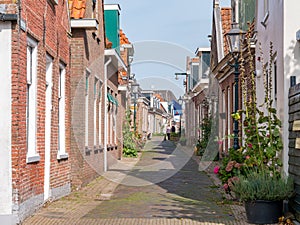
(112, 27)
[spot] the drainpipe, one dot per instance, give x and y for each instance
(105, 114)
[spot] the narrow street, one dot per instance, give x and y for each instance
(158, 189)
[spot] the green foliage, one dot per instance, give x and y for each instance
(129, 145)
(206, 130)
(129, 152)
(258, 158)
(260, 185)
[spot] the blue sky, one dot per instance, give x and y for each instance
(165, 27)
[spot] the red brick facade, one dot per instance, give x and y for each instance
(47, 24)
(87, 91)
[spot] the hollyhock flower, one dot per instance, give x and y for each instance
(238, 165)
(216, 170)
(226, 187)
(230, 165)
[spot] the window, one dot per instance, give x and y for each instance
(228, 115)
(195, 74)
(205, 64)
(87, 109)
(266, 7)
(266, 13)
(95, 110)
(100, 115)
(32, 155)
(275, 83)
(61, 154)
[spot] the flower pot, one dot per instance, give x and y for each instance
(263, 212)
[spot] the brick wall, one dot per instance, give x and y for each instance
(48, 25)
(87, 56)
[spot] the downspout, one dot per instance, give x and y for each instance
(105, 113)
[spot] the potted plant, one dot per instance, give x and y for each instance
(263, 195)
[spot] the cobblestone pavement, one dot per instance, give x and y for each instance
(163, 186)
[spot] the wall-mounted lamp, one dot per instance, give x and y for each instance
(179, 74)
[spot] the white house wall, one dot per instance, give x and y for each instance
(5, 125)
(280, 29)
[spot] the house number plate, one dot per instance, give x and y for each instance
(296, 125)
(297, 144)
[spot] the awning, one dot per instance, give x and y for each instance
(112, 99)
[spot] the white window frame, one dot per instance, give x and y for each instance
(86, 136)
(61, 153)
(48, 122)
(96, 96)
(31, 126)
(228, 116)
(100, 114)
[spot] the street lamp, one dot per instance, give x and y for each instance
(234, 39)
(135, 91)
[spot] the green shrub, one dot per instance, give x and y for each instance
(260, 185)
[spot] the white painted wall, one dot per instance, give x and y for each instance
(5, 124)
(281, 27)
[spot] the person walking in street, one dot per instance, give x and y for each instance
(168, 132)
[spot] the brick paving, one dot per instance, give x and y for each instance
(162, 187)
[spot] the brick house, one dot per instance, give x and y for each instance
(35, 96)
(115, 69)
(87, 90)
(222, 73)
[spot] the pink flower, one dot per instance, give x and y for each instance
(248, 157)
(250, 145)
(216, 170)
(230, 165)
(226, 187)
(238, 165)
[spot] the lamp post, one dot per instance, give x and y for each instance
(135, 91)
(234, 38)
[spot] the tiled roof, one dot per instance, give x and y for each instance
(77, 8)
(123, 38)
(226, 25)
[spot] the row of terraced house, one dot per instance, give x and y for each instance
(268, 23)
(65, 69)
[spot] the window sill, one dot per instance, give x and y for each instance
(33, 159)
(62, 156)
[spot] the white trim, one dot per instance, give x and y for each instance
(61, 153)
(32, 61)
(48, 119)
(112, 7)
(5, 125)
(85, 23)
(86, 116)
(115, 56)
(105, 114)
